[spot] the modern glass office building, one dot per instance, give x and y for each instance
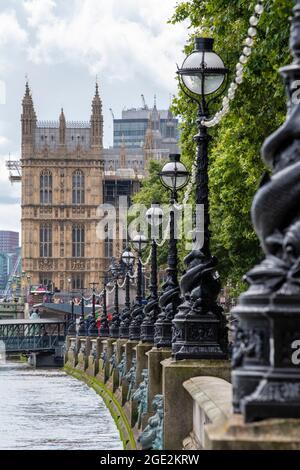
(131, 129)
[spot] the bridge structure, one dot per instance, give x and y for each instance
(41, 340)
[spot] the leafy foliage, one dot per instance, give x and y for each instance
(258, 109)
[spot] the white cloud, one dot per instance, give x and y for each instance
(122, 40)
(39, 11)
(10, 30)
(3, 141)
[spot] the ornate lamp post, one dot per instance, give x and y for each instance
(115, 324)
(72, 323)
(128, 260)
(266, 378)
(139, 243)
(151, 310)
(93, 330)
(104, 326)
(199, 326)
(82, 330)
(174, 176)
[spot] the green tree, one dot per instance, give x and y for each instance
(258, 109)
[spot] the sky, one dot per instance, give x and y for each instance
(62, 46)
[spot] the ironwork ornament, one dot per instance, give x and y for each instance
(266, 377)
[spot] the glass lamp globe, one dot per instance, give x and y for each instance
(139, 242)
(174, 174)
(203, 71)
(128, 257)
(154, 215)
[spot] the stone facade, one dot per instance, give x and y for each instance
(62, 180)
(66, 174)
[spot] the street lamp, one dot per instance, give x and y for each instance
(115, 323)
(139, 242)
(69, 285)
(200, 326)
(93, 330)
(82, 330)
(128, 260)
(151, 310)
(174, 176)
(72, 323)
(104, 325)
(203, 71)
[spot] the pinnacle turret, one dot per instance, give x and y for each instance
(97, 120)
(62, 128)
(28, 117)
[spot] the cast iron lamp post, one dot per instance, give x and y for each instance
(93, 330)
(174, 176)
(128, 260)
(82, 330)
(104, 326)
(72, 323)
(200, 326)
(139, 243)
(115, 323)
(151, 310)
(265, 359)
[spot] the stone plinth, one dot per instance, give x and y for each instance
(212, 403)
(67, 347)
(84, 352)
(103, 373)
(114, 368)
(155, 357)
(271, 434)
(178, 404)
(131, 410)
(124, 388)
(72, 353)
(129, 354)
(110, 347)
(141, 360)
(93, 359)
(120, 348)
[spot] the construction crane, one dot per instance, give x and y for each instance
(145, 106)
(15, 270)
(112, 113)
(15, 170)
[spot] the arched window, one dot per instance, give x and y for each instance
(78, 236)
(78, 187)
(46, 187)
(45, 241)
(78, 281)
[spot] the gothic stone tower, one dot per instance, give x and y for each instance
(62, 176)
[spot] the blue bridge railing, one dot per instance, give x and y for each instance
(32, 335)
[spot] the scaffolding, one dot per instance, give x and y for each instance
(15, 170)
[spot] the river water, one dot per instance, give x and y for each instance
(46, 409)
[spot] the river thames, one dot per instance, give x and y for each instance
(47, 409)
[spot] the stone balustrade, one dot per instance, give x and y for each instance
(212, 398)
(144, 388)
(159, 403)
